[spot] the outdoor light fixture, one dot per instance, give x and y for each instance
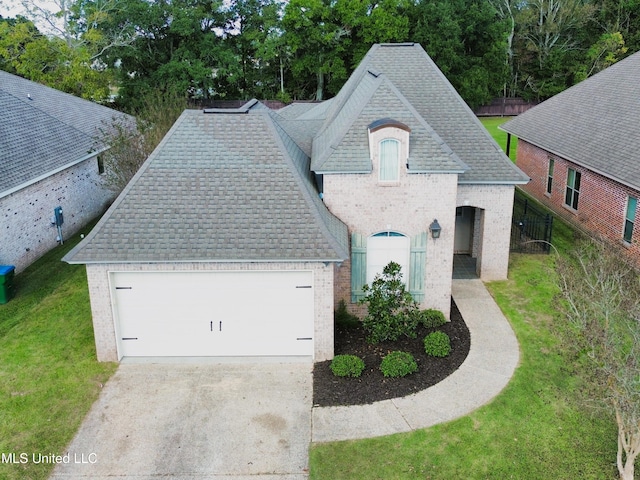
(435, 229)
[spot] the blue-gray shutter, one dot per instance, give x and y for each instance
(358, 266)
(417, 265)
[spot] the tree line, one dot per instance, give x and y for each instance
(306, 49)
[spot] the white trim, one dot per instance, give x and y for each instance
(33, 181)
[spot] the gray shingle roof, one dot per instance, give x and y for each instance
(219, 187)
(594, 123)
(43, 130)
(429, 94)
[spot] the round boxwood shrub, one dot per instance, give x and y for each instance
(398, 364)
(432, 318)
(347, 366)
(437, 344)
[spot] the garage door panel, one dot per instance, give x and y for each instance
(209, 314)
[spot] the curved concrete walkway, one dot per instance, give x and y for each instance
(492, 359)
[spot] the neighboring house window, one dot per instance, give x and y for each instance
(573, 189)
(389, 160)
(630, 218)
(369, 255)
(550, 175)
(100, 165)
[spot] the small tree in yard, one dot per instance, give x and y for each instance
(391, 311)
(602, 296)
(129, 145)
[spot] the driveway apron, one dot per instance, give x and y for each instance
(227, 421)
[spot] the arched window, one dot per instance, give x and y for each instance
(389, 160)
(386, 247)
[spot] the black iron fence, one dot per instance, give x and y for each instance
(531, 228)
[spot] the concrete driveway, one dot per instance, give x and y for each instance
(194, 421)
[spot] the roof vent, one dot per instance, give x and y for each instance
(29, 96)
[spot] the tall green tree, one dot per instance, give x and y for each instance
(317, 41)
(551, 40)
(52, 61)
(466, 39)
(178, 47)
(252, 33)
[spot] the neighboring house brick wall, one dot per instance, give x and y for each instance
(602, 202)
(409, 207)
(102, 308)
(492, 226)
(26, 232)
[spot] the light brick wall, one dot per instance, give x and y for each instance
(408, 207)
(103, 311)
(492, 226)
(26, 232)
(602, 202)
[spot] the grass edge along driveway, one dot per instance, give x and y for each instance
(49, 375)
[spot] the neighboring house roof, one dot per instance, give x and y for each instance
(402, 82)
(43, 131)
(593, 124)
(225, 187)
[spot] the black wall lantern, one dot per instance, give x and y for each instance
(435, 229)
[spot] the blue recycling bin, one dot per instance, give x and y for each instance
(6, 282)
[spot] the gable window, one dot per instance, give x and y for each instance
(630, 218)
(550, 175)
(573, 189)
(389, 160)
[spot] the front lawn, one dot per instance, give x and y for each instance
(49, 375)
(537, 428)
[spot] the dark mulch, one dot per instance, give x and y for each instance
(372, 386)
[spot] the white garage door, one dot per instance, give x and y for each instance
(213, 314)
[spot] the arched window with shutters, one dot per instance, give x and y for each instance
(369, 256)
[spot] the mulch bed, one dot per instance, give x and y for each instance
(372, 386)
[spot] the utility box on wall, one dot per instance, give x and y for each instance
(57, 216)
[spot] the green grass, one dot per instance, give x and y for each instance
(492, 124)
(539, 427)
(49, 375)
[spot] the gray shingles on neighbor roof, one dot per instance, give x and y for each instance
(594, 123)
(220, 187)
(43, 130)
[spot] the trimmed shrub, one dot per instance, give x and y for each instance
(347, 366)
(437, 344)
(432, 318)
(392, 312)
(398, 364)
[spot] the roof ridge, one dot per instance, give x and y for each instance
(134, 180)
(312, 198)
(443, 145)
(342, 129)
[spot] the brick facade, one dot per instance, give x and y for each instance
(409, 207)
(492, 227)
(26, 232)
(602, 201)
(98, 276)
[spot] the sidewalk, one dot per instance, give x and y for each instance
(492, 359)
